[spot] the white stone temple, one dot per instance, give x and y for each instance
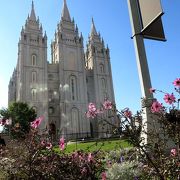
(60, 89)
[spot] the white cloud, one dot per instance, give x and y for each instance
(3, 92)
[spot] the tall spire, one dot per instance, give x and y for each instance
(65, 12)
(32, 16)
(93, 28)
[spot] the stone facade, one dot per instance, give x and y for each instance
(62, 89)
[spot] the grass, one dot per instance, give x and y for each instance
(104, 145)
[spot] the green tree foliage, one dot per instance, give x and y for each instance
(21, 115)
(4, 113)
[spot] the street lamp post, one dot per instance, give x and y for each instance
(143, 70)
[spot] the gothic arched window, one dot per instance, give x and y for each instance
(73, 88)
(75, 120)
(51, 110)
(101, 68)
(34, 77)
(33, 94)
(103, 83)
(34, 60)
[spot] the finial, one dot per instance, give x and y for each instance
(93, 28)
(45, 35)
(65, 12)
(107, 47)
(41, 27)
(102, 41)
(81, 35)
(76, 28)
(32, 5)
(32, 16)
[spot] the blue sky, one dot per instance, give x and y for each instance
(112, 20)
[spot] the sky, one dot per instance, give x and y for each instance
(111, 19)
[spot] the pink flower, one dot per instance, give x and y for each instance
(43, 142)
(48, 145)
(103, 175)
(81, 158)
(2, 122)
(37, 122)
(61, 144)
(169, 98)
(8, 121)
(107, 105)
(152, 90)
(156, 107)
(90, 114)
(90, 157)
(127, 113)
(177, 82)
(92, 107)
(173, 152)
(92, 111)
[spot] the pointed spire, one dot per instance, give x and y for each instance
(93, 28)
(22, 30)
(107, 47)
(65, 12)
(32, 16)
(102, 42)
(76, 28)
(41, 28)
(81, 39)
(45, 35)
(73, 20)
(81, 35)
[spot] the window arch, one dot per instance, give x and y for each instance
(101, 68)
(33, 94)
(33, 60)
(51, 110)
(75, 120)
(103, 83)
(34, 77)
(73, 88)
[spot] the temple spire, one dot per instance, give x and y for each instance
(93, 28)
(32, 16)
(65, 12)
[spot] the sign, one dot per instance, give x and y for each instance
(150, 15)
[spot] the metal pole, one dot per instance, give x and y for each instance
(142, 65)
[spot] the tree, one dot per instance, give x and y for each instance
(21, 115)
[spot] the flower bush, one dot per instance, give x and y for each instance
(159, 158)
(34, 157)
(155, 156)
